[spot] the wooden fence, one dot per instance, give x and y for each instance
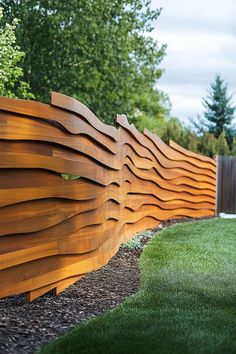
(226, 184)
(53, 230)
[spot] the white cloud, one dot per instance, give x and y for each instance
(214, 15)
(201, 42)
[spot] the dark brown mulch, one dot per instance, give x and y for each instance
(24, 327)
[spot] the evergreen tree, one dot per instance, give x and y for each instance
(219, 111)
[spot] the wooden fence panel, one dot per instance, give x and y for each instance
(53, 230)
(226, 185)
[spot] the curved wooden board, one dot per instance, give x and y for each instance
(42, 214)
(84, 237)
(81, 190)
(165, 149)
(69, 162)
(188, 153)
(89, 169)
(174, 155)
(57, 287)
(125, 149)
(69, 121)
(71, 104)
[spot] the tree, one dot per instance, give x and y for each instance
(190, 140)
(153, 112)
(178, 132)
(97, 51)
(219, 111)
(233, 149)
(208, 145)
(173, 131)
(11, 83)
(222, 146)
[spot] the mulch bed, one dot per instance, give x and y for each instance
(24, 327)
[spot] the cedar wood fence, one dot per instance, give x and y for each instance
(53, 230)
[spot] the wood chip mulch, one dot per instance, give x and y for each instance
(24, 327)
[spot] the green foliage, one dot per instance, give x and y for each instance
(186, 303)
(208, 145)
(173, 130)
(96, 51)
(222, 146)
(219, 111)
(11, 83)
(153, 112)
(233, 149)
(136, 241)
(178, 132)
(69, 177)
(215, 131)
(190, 141)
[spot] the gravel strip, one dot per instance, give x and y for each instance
(24, 327)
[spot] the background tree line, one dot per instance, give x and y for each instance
(96, 51)
(213, 133)
(101, 53)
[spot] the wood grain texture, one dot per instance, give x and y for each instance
(226, 191)
(53, 230)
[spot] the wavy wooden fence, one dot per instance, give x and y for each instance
(52, 230)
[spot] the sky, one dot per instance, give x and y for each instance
(201, 42)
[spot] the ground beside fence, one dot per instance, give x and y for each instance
(186, 303)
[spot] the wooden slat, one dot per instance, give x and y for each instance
(70, 104)
(192, 154)
(57, 287)
(226, 185)
(169, 152)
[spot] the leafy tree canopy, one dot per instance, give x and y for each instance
(153, 111)
(97, 51)
(11, 83)
(178, 132)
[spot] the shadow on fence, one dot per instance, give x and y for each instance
(54, 230)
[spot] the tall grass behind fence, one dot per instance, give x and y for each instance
(73, 188)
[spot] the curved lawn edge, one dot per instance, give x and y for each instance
(186, 302)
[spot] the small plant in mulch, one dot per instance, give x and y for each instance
(138, 241)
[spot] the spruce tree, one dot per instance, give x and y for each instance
(219, 111)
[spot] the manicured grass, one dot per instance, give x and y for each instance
(187, 301)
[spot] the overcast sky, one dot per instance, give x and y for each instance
(201, 42)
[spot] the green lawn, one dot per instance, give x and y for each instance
(186, 304)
